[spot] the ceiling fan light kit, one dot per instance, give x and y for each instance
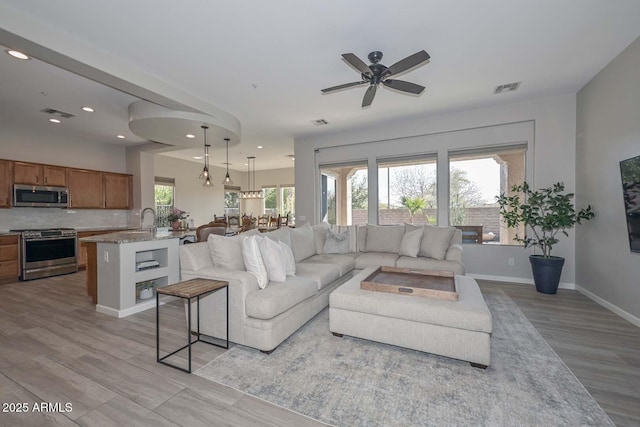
(376, 73)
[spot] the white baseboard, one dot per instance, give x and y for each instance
(606, 304)
(563, 285)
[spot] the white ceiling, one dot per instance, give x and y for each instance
(264, 62)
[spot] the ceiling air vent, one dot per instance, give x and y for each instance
(509, 87)
(320, 122)
(57, 113)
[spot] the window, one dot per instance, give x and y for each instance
(476, 177)
(288, 201)
(231, 200)
(345, 193)
(270, 200)
(164, 192)
(407, 191)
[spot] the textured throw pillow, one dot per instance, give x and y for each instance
(253, 260)
(384, 238)
(290, 261)
(303, 243)
(436, 241)
(274, 259)
(226, 252)
(336, 242)
(410, 245)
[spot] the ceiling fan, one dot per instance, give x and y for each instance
(377, 73)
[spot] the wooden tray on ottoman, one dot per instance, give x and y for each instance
(406, 281)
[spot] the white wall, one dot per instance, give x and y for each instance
(201, 203)
(551, 157)
(48, 145)
(608, 131)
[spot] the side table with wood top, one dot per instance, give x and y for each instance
(190, 289)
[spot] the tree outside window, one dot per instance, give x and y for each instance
(164, 192)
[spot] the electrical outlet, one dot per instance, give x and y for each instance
(511, 261)
(106, 256)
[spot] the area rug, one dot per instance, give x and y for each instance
(353, 382)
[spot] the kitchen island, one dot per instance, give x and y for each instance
(120, 264)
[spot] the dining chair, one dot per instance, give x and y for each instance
(203, 232)
(284, 221)
(263, 223)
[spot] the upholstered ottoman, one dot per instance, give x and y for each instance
(457, 329)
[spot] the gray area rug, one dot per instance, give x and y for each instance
(354, 382)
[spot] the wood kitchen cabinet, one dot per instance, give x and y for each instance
(118, 189)
(9, 259)
(85, 189)
(38, 174)
(6, 183)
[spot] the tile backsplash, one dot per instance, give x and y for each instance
(20, 218)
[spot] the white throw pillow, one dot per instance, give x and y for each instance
(336, 242)
(226, 252)
(436, 241)
(410, 245)
(253, 260)
(274, 259)
(282, 234)
(303, 243)
(362, 238)
(320, 235)
(290, 261)
(384, 238)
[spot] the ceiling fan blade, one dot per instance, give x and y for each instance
(357, 63)
(403, 86)
(407, 63)
(344, 86)
(369, 95)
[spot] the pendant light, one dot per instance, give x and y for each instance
(227, 178)
(205, 174)
(251, 193)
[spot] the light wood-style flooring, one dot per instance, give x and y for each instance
(55, 348)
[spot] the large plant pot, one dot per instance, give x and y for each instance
(546, 272)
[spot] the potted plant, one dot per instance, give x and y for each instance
(175, 216)
(544, 213)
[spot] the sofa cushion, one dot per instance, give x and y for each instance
(410, 245)
(361, 240)
(302, 242)
(336, 242)
(345, 263)
(282, 234)
(435, 240)
(320, 235)
(384, 238)
(423, 263)
(322, 274)
(375, 259)
(226, 252)
(253, 261)
(279, 297)
(274, 259)
(195, 256)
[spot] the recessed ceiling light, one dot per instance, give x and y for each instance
(260, 146)
(197, 157)
(88, 109)
(54, 120)
(120, 136)
(190, 135)
(17, 54)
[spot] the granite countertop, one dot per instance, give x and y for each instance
(133, 236)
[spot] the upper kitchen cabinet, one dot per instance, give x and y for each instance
(6, 183)
(118, 190)
(85, 189)
(37, 174)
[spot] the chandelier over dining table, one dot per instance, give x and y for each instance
(251, 193)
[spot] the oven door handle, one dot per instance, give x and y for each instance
(44, 239)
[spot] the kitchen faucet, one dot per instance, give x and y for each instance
(153, 227)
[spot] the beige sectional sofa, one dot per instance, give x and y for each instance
(263, 318)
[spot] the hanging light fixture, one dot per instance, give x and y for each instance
(227, 178)
(205, 174)
(251, 193)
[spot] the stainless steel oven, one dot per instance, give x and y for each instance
(48, 252)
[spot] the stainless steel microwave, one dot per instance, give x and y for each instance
(39, 196)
